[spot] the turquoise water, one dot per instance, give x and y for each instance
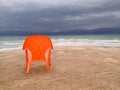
(90, 37)
(15, 42)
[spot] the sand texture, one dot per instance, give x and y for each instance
(73, 68)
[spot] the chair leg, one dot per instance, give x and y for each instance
(49, 52)
(28, 68)
(47, 60)
(47, 66)
(28, 60)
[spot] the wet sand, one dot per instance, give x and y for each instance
(73, 68)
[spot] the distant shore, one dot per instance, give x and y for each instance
(73, 68)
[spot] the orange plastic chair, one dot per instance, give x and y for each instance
(37, 47)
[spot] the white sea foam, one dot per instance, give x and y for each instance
(8, 49)
(10, 45)
(86, 42)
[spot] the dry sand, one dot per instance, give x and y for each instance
(73, 68)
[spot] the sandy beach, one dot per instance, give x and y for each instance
(73, 68)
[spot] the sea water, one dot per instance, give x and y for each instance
(16, 42)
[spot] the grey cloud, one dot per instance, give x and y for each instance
(53, 15)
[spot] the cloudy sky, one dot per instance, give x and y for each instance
(58, 15)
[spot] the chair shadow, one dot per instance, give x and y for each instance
(38, 69)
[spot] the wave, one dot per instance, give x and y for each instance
(17, 44)
(86, 42)
(10, 45)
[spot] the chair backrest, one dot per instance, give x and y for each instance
(38, 45)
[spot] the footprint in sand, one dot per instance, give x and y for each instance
(111, 60)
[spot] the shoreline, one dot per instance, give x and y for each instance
(57, 46)
(73, 67)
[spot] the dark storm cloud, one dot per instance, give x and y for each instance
(58, 15)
